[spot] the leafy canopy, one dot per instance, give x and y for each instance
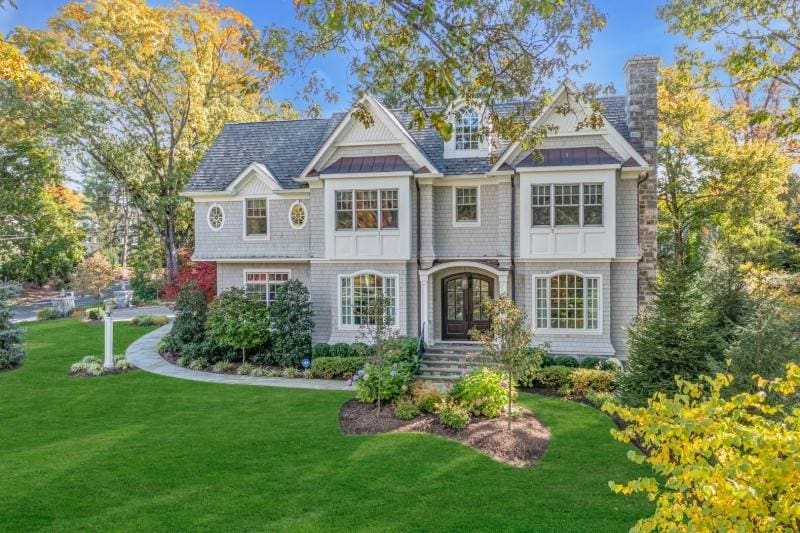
(238, 319)
(427, 55)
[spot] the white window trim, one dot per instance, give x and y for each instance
(581, 223)
(471, 223)
(208, 216)
(450, 151)
(245, 236)
(353, 327)
(245, 272)
(568, 331)
(291, 208)
(354, 212)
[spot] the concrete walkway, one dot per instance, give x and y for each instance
(143, 354)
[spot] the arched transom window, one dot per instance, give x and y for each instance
(358, 294)
(467, 129)
(567, 301)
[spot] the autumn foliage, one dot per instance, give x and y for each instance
(203, 272)
(722, 462)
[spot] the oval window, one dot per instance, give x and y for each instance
(216, 217)
(297, 215)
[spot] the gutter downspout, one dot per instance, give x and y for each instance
(419, 260)
(513, 238)
(642, 178)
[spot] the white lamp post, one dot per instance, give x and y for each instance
(108, 361)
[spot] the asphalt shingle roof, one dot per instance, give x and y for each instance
(285, 147)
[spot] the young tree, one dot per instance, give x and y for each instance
(291, 321)
(722, 462)
(674, 336)
(506, 343)
(93, 275)
(142, 91)
(377, 330)
(11, 351)
(428, 55)
(238, 320)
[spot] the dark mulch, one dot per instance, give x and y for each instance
(522, 446)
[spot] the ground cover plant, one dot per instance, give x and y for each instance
(175, 455)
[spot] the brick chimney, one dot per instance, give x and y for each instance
(641, 113)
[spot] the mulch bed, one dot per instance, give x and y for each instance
(521, 447)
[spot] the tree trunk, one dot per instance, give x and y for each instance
(170, 250)
(243, 359)
(509, 401)
(126, 231)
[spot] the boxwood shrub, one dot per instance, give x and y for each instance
(341, 349)
(334, 367)
(483, 392)
(585, 380)
(551, 377)
(322, 349)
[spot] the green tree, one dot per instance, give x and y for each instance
(379, 329)
(191, 313)
(94, 275)
(427, 55)
(291, 321)
(11, 351)
(506, 342)
(142, 92)
(674, 336)
(39, 233)
(238, 320)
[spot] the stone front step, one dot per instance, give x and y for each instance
(441, 364)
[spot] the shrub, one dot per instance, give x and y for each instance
(46, 313)
(11, 351)
(209, 350)
(290, 372)
(721, 461)
(427, 399)
(121, 363)
(361, 349)
(198, 364)
(597, 399)
(238, 320)
(565, 360)
(245, 369)
(95, 313)
(93, 366)
(612, 364)
(183, 361)
(191, 311)
(258, 371)
(552, 377)
(583, 380)
(453, 415)
(401, 348)
(149, 320)
(201, 274)
(405, 410)
(394, 381)
(321, 349)
(335, 367)
(221, 367)
(291, 322)
(482, 392)
(589, 362)
(341, 349)
(548, 360)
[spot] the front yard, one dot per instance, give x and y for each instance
(143, 452)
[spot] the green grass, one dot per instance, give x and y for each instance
(143, 452)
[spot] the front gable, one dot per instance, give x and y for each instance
(256, 179)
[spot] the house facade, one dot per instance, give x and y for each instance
(441, 225)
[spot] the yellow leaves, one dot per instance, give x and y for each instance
(728, 463)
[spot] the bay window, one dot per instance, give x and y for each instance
(366, 210)
(357, 296)
(567, 205)
(567, 301)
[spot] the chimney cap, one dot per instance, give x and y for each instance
(643, 58)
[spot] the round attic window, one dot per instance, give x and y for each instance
(298, 215)
(216, 217)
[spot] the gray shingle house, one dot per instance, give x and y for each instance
(440, 225)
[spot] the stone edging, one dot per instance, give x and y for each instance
(143, 354)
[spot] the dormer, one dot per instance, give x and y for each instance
(468, 139)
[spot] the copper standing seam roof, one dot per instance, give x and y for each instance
(553, 157)
(380, 163)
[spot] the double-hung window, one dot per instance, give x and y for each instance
(357, 297)
(567, 301)
(264, 284)
(255, 217)
(466, 205)
(467, 130)
(567, 205)
(367, 210)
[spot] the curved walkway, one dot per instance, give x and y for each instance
(142, 353)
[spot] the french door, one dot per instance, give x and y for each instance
(462, 299)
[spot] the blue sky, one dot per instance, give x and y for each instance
(632, 28)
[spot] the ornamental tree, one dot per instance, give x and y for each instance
(239, 320)
(722, 462)
(506, 343)
(378, 328)
(93, 275)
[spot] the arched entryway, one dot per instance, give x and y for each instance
(463, 295)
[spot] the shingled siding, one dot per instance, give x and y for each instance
(624, 305)
(586, 344)
(229, 241)
(464, 241)
(325, 298)
(232, 274)
(626, 218)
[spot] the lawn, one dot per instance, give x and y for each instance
(143, 452)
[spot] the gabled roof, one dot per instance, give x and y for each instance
(380, 163)
(285, 148)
